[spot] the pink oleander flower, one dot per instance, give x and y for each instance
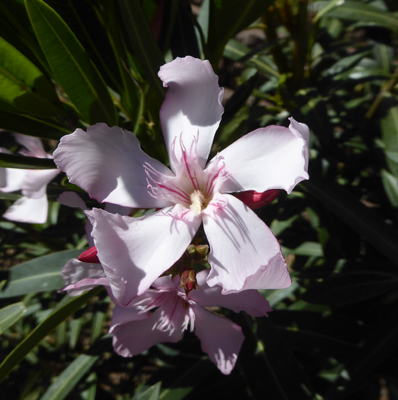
(33, 206)
(135, 329)
(109, 164)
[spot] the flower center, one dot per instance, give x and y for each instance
(198, 202)
(192, 186)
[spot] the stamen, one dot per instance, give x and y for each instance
(197, 201)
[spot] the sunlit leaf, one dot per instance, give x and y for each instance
(361, 12)
(23, 86)
(38, 275)
(68, 379)
(72, 68)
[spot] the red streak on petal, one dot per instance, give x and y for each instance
(90, 256)
(256, 200)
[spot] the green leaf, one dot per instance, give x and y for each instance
(226, 21)
(143, 43)
(389, 129)
(29, 125)
(38, 275)
(360, 12)
(42, 330)
(70, 64)
(16, 161)
(237, 51)
(23, 86)
(152, 393)
(69, 378)
(305, 249)
(350, 288)
(390, 183)
(10, 315)
(361, 219)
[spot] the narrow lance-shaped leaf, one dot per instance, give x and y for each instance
(10, 315)
(71, 66)
(15, 161)
(23, 86)
(143, 43)
(364, 221)
(68, 379)
(31, 126)
(226, 21)
(42, 330)
(38, 275)
(361, 12)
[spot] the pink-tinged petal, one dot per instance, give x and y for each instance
(32, 144)
(192, 105)
(36, 181)
(166, 283)
(250, 301)
(72, 199)
(139, 249)
(267, 158)
(131, 338)
(123, 315)
(108, 164)
(256, 200)
(220, 338)
(32, 211)
(244, 254)
(81, 276)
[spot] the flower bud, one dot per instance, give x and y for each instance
(90, 256)
(256, 200)
(188, 279)
(201, 252)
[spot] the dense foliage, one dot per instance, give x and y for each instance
(330, 64)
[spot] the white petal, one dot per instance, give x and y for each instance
(72, 199)
(80, 276)
(138, 250)
(268, 158)
(33, 144)
(36, 181)
(11, 179)
(192, 104)
(220, 338)
(32, 211)
(250, 301)
(108, 163)
(244, 254)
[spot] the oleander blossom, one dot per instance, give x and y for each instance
(136, 329)
(109, 164)
(32, 207)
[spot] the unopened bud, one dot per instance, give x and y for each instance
(191, 250)
(188, 279)
(256, 200)
(90, 256)
(201, 252)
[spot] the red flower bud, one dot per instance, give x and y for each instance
(90, 256)
(256, 200)
(188, 279)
